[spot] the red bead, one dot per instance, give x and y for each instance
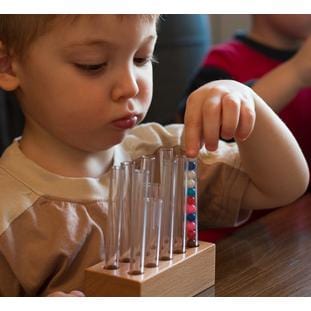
(190, 226)
(191, 208)
(191, 235)
(191, 200)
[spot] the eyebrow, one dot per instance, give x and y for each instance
(102, 43)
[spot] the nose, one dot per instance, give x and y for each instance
(125, 85)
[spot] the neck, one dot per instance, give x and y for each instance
(61, 159)
(263, 33)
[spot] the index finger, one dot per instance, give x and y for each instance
(193, 127)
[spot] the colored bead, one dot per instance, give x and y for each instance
(191, 235)
(191, 175)
(190, 183)
(190, 226)
(190, 200)
(191, 217)
(191, 208)
(191, 192)
(191, 166)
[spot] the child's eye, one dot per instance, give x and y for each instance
(91, 68)
(140, 61)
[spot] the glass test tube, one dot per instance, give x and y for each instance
(167, 225)
(148, 163)
(112, 236)
(152, 203)
(192, 204)
(153, 229)
(126, 195)
(138, 221)
(164, 153)
(179, 199)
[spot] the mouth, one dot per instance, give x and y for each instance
(126, 122)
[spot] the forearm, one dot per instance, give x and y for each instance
(278, 86)
(273, 160)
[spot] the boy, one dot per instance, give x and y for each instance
(82, 93)
(275, 59)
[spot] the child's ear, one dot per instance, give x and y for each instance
(8, 79)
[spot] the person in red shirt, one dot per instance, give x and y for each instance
(274, 58)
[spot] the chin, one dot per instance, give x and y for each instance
(99, 142)
(105, 145)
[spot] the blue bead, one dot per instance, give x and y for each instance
(191, 192)
(191, 217)
(191, 166)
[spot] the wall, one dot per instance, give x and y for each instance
(224, 25)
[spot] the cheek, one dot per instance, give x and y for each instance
(57, 108)
(146, 90)
(77, 99)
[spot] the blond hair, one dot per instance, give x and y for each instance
(17, 32)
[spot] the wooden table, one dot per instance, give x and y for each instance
(268, 257)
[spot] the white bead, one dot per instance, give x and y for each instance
(191, 175)
(190, 183)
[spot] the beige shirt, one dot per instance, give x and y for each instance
(51, 227)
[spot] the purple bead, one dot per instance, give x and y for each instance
(191, 166)
(191, 217)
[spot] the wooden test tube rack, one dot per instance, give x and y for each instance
(185, 275)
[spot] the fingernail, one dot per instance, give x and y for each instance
(191, 152)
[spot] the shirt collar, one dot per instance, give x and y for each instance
(43, 182)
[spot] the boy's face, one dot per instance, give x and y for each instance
(86, 82)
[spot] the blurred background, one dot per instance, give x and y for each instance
(183, 41)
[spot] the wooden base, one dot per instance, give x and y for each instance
(185, 275)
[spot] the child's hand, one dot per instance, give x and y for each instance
(301, 63)
(221, 108)
(74, 293)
